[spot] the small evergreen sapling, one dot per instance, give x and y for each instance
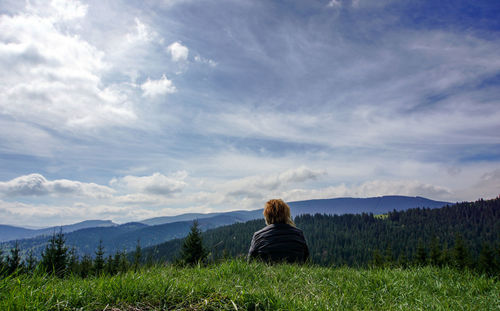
(99, 259)
(55, 256)
(14, 260)
(192, 251)
(137, 255)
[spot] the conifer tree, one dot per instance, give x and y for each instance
(421, 256)
(389, 257)
(109, 266)
(55, 256)
(446, 258)
(30, 262)
(99, 259)
(85, 266)
(402, 260)
(123, 262)
(14, 260)
(460, 252)
(3, 265)
(192, 250)
(435, 253)
(137, 255)
(378, 259)
(486, 262)
(73, 265)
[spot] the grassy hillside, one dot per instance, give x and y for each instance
(236, 285)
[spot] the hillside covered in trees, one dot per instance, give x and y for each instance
(455, 234)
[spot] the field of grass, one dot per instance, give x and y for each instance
(236, 285)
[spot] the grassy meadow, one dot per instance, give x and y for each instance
(236, 285)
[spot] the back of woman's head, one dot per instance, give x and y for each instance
(277, 211)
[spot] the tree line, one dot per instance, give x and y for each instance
(57, 259)
(463, 235)
(60, 261)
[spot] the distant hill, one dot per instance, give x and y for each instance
(237, 215)
(336, 206)
(8, 233)
(121, 237)
(352, 239)
(157, 230)
(375, 205)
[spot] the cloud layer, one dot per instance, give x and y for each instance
(129, 110)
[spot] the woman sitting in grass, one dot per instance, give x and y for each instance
(280, 240)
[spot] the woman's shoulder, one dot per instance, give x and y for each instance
(274, 228)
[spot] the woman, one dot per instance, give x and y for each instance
(280, 240)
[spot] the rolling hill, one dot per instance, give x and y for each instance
(158, 230)
(8, 233)
(336, 206)
(352, 239)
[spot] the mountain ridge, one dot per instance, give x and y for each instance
(9, 233)
(125, 236)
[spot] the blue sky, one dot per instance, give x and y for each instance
(126, 110)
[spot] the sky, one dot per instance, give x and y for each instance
(127, 110)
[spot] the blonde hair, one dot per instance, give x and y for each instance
(277, 211)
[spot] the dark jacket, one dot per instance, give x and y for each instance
(279, 242)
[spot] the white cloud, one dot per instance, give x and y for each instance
(156, 184)
(371, 189)
(38, 185)
(143, 33)
(254, 189)
(487, 187)
(334, 4)
(52, 77)
(178, 52)
(154, 88)
(67, 10)
(203, 60)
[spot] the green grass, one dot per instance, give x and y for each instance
(236, 285)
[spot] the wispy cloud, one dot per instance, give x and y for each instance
(252, 99)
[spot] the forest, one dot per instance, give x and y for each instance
(464, 235)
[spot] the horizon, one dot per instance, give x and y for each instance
(128, 110)
(247, 210)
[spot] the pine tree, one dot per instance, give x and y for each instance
(116, 262)
(421, 256)
(137, 255)
(73, 265)
(378, 260)
(192, 250)
(486, 262)
(435, 253)
(123, 262)
(389, 257)
(3, 265)
(99, 259)
(460, 252)
(109, 266)
(55, 256)
(402, 260)
(85, 266)
(30, 262)
(14, 260)
(446, 258)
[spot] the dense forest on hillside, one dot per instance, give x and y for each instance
(464, 235)
(416, 235)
